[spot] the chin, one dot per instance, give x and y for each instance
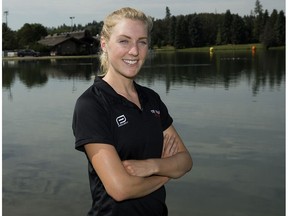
(130, 75)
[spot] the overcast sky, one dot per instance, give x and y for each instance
(53, 13)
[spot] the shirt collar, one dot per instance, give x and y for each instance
(105, 87)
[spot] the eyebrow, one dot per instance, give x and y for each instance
(141, 38)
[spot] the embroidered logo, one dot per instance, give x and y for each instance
(121, 120)
(156, 113)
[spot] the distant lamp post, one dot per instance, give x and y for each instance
(72, 17)
(6, 17)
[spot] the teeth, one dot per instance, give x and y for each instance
(131, 62)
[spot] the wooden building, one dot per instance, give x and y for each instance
(71, 43)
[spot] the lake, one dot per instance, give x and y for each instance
(229, 108)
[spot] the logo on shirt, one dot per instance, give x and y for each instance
(121, 120)
(156, 113)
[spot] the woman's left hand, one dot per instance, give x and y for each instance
(170, 146)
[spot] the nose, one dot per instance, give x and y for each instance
(134, 50)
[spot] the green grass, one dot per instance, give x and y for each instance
(216, 48)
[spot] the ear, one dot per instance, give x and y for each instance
(103, 44)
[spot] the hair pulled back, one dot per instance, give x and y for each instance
(112, 20)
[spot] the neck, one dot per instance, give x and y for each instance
(123, 86)
(120, 84)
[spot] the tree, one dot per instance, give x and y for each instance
(94, 27)
(157, 36)
(168, 14)
(258, 8)
(249, 23)
(226, 34)
(172, 30)
(206, 29)
(9, 41)
(269, 34)
(181, 32)
(258, 23)
(280, 28)
(195, 29)
(29, 34)
(237, 30)
(218, 37)
(166, 26)
(59, 29)
(211, 23)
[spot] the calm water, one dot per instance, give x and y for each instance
(229, 109)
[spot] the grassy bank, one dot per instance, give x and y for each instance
(216, 48)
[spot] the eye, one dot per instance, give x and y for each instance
(143, 42)
(124, 41)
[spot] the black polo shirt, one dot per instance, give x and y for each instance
(103, 116)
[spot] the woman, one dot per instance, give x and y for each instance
(125, 129)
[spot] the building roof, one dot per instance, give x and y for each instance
(77, 36)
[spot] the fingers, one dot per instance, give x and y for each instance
(173, 146)
(165, 144)
(140, 168)
(128, 167)
(170, 146)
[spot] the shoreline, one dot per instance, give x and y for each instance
(16, 58)
(221, 48)
(210, 49)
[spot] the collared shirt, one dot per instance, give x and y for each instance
(103, 116)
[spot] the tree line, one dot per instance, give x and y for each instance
(206, 29)
(182, 31)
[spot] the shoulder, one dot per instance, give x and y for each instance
(91, 99)
(87, 97)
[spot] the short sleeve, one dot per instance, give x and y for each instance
(166, 119)
(155, 100)
(91, 120)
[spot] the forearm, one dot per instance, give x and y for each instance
(174, 166)
(141, 186)
(119, 183)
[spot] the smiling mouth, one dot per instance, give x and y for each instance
(130, 62)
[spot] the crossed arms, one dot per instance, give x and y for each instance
(137, 178)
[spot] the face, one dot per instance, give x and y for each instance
(127, 47)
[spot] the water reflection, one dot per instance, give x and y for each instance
(35, 73)
(221, 69)
(229, 109)
(264, 69)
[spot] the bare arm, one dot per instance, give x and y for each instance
(118, 183)
(178, 164)
(175, 161)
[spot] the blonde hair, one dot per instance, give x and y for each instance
(112, 20)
